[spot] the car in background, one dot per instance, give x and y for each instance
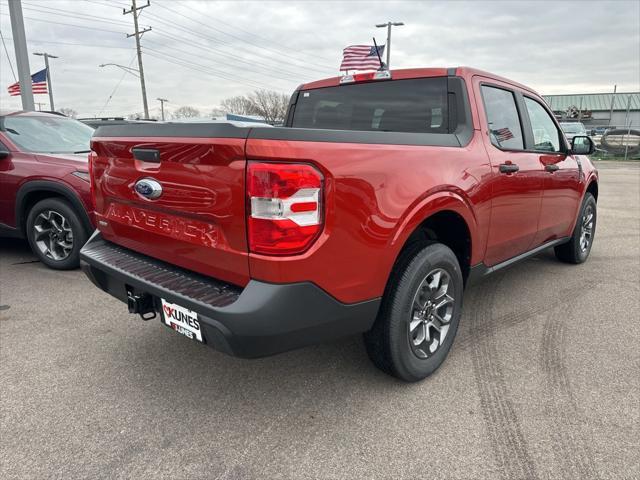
(601, 130)
(573, 129)
(44, 184)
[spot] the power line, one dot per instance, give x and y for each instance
(38, 42)
(104, 4)
(244, 69)
(307, 65)
(235, 57)
(66, 13)
(253, 34)
(68, 24)
(15, 79)
(278, 52)
(198, 67)
(220, 73)
(115, 89)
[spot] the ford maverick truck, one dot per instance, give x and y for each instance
(384, 195)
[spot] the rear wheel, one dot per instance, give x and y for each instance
(420, 313)
(577, 249)
(55, 233)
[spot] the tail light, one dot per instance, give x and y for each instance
(285, 207)
(366, 77)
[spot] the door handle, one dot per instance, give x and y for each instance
(146, 154)
(509, 168)
(552, 167)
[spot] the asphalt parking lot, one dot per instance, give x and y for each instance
(542, 382)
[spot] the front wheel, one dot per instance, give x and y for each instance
(577, 249)
(55, 233)
(419, 315)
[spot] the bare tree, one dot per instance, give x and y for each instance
(239, 105)
(270, 105)
(186, 112)
(69, 112)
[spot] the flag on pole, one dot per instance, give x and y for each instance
(38, 84)
(361, 57)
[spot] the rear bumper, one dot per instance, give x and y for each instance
(258, 320)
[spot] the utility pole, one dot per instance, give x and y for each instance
(47, 56)
(162, 100)
(22, 55)
(134, 10)
(388, 45)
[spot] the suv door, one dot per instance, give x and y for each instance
(8, 187)
(562, 183)
(517, 176)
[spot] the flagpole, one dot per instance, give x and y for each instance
(46, 66)
(22, 55)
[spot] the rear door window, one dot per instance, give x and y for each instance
(502, 115)
(415, 105)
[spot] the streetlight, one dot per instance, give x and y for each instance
(47, 56)
(133, 71)
(388, 45)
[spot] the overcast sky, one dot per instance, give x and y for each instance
(200, 52)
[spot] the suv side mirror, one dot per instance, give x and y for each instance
(582, 145)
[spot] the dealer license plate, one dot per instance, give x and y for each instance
(182, 320)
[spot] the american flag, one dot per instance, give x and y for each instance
(38, 84)
(502, 134)
(361, 57)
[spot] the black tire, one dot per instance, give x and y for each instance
(574, 250)
(56, 209)
(390, 344)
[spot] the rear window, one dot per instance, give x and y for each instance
(416, 105)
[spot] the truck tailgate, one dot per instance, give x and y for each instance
(198, 220)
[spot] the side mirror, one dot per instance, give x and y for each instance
(582, 145)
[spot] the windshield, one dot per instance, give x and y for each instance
(572, 127)
(47, 134)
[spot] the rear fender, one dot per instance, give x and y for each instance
(55, 188)
(427, 207)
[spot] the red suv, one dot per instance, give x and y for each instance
(44, 184)
(383, 197)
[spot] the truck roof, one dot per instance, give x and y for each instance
(405, 73)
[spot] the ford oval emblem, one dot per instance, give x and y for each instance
(148, 188)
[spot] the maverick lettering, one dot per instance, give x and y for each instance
(199, 233)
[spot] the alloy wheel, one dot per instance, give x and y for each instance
(53, 235)
(431, 313)
(586, 229)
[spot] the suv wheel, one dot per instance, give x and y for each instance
(577, 249)
(419, 315)
(55, 233)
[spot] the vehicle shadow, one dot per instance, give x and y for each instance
(14, 251)
(342, 364)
